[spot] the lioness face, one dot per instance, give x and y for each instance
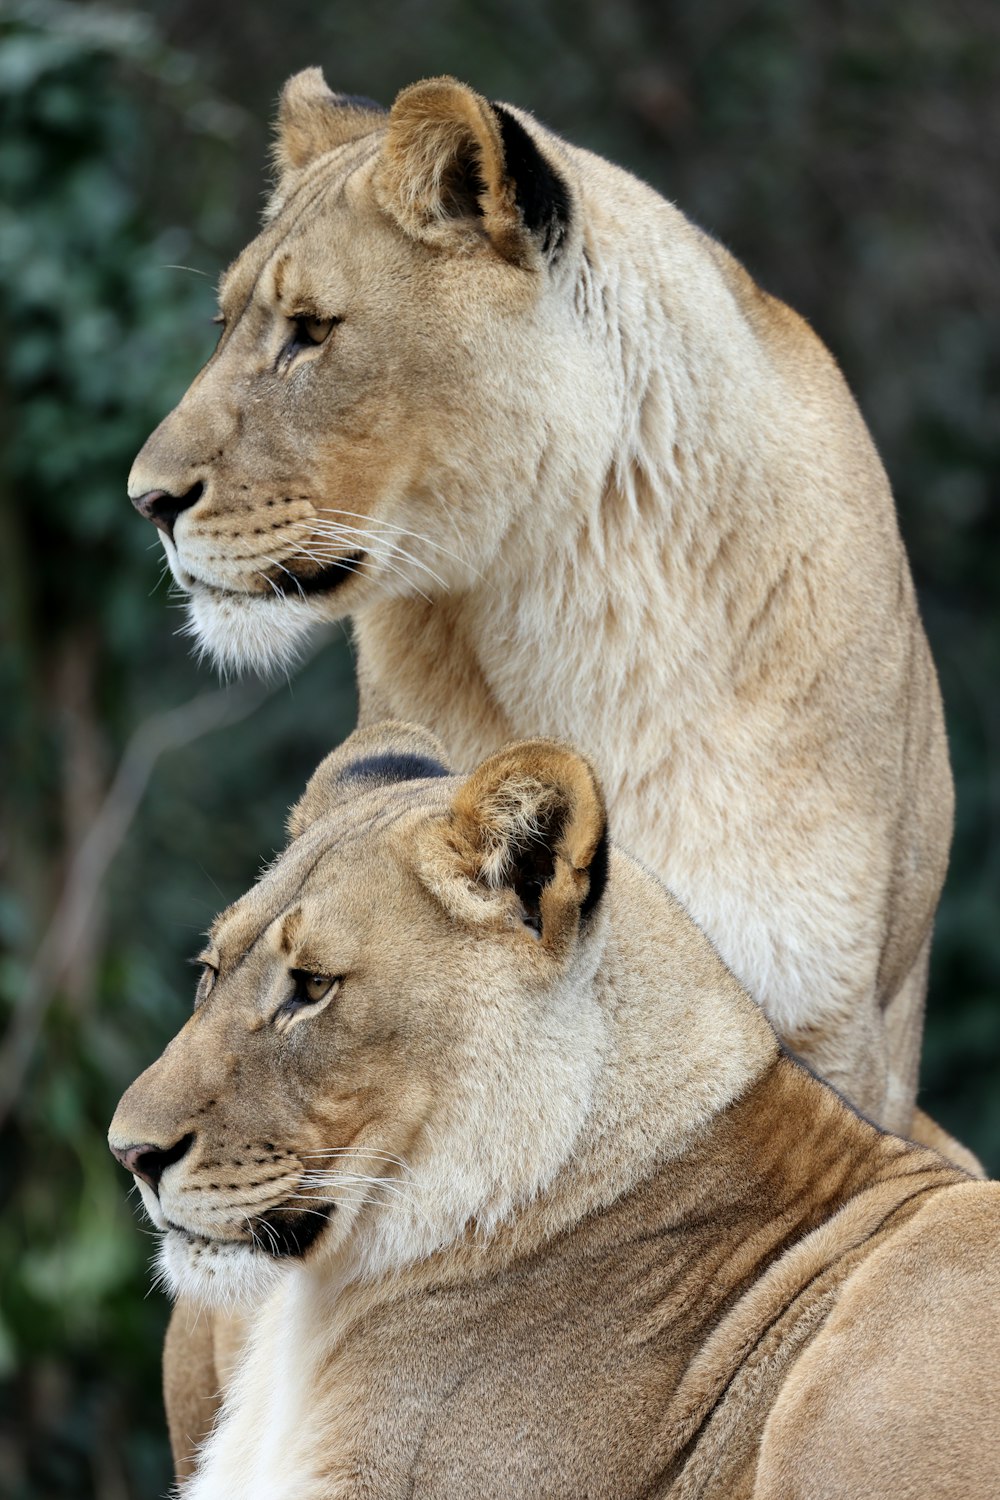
(391, 343)
(381, 1023)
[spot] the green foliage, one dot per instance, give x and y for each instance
(100, 334)
(846, 153)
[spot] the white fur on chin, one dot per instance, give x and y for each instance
(214, 1273)
(242, 633)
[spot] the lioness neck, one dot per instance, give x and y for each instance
(674, 555)
(697, 597)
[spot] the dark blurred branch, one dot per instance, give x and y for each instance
(88, 868)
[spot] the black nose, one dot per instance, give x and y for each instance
(162, 508)
(150, 1162)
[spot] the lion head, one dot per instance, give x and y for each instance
(395, 1031)
(400, 344)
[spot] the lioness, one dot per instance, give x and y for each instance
(570, 472)
(536, 1201)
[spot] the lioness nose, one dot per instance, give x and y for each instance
(162, 508)
(150, 1162)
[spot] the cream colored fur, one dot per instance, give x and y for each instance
(598, 486)
(591, 1232)
(605, 488)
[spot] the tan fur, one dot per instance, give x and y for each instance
(201, 1354)
(597, 1234)
(616, 494)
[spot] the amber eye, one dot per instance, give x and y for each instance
(310, 989)
(310, 331)
(313, 987)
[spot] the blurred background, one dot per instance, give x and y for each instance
(847, 152)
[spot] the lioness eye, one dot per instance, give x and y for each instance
(309, 330)
(310, 989)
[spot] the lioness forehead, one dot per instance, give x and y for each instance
(322, 189)
(342, 851)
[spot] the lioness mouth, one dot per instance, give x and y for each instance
(290, 1232)
(280, 1234)
(324, 582)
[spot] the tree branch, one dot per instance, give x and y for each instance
(155, 736)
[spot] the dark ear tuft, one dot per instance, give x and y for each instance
(389, 767)
(362, 102)
(463, 174)
(598, 877)
(541, 194)
(525, 837)
(379, 754)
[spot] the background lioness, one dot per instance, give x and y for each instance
(571, 472)
(536, 1201)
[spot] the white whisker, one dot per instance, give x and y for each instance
(275, 563)
(371, 1151)
(309, 1198)
(401, 531)
(354, 1199)
(345, 533)
(388, 566)
(340, 1179)
(253, 1236)
(345, 530)
(268, 1230)
(395, 549)
(277, 591)
(347, 538)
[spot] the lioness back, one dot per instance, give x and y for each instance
(531, 1199)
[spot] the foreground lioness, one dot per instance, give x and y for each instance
(536, 1202)
(572, 473)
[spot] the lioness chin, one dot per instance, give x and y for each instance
(533, 1200)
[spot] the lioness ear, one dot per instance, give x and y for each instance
(375, 756)
(313, 120)
(526, 840)
(457, 170)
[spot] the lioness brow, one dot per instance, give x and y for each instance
(342, 838)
